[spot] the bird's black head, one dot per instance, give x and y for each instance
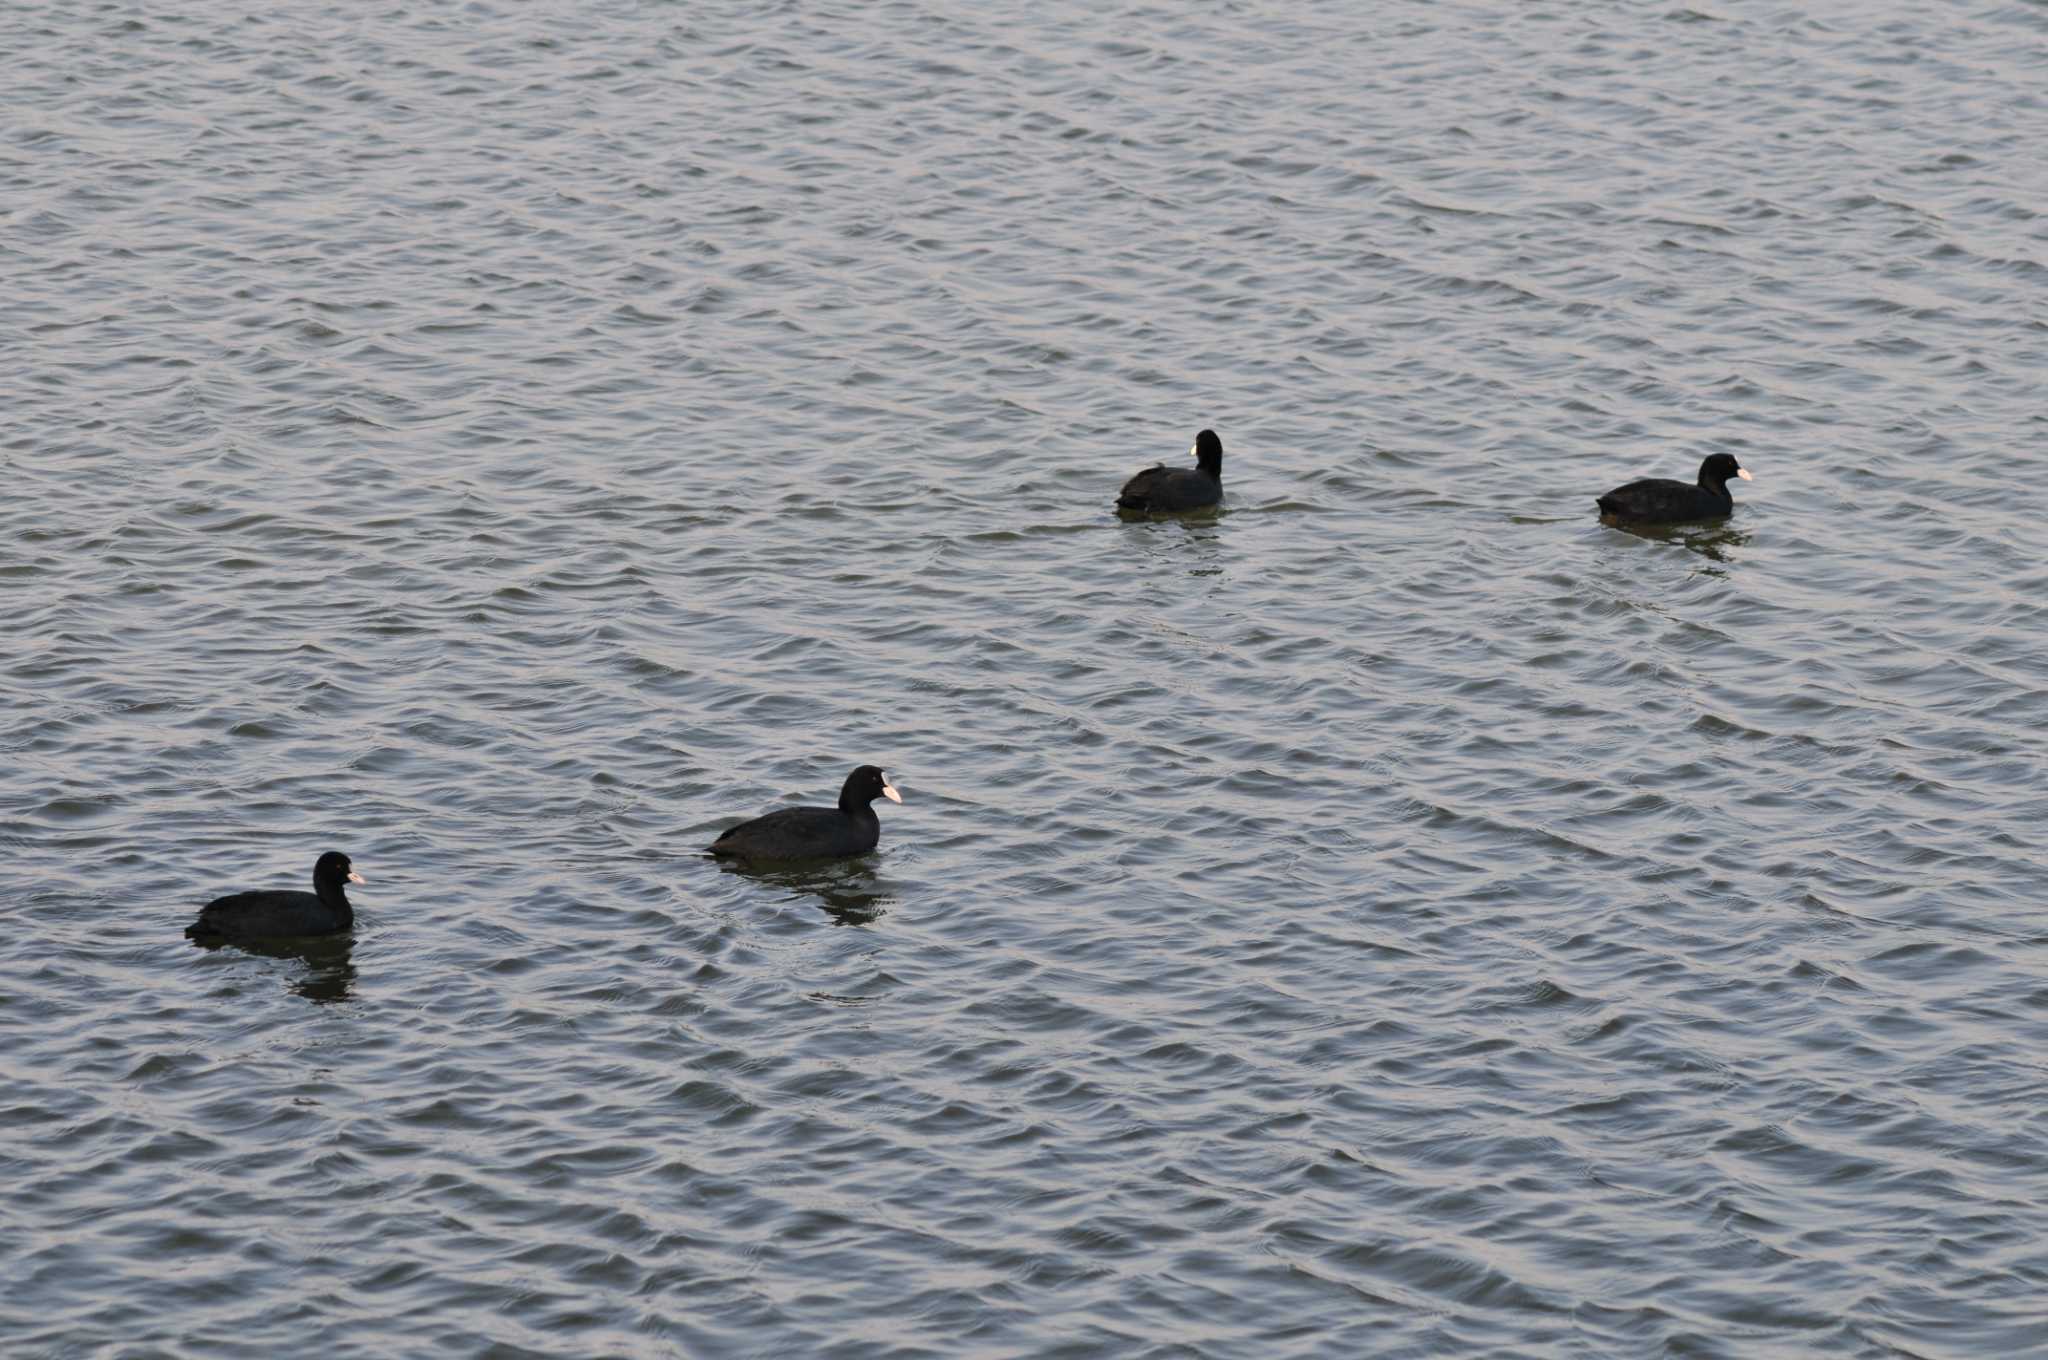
(1208, 451)
(1718, 469)
(864, 786)
(333, 870)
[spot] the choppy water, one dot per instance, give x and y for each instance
(1398, 917)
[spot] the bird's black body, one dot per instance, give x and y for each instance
(1164, 490)
(814, 832)
(1663, 500)
(276, 913)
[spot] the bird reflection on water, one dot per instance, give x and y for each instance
(1714, 540)
(330, 972)
(1198, 546)
(848, 891)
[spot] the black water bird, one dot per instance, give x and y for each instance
(1664, 500)
(1163, 490)
(814, 832)
(276, 913)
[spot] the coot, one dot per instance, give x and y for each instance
(275, 912)
(814, 832)
(1656, 500)
(1164, 490)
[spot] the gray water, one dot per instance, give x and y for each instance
(1396, 916)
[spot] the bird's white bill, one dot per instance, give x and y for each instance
(889, 792)
(355, 877)
(1743, 473)
(1191, 451)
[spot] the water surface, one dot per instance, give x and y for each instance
(1397, 916)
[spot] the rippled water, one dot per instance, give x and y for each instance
(1398, 916)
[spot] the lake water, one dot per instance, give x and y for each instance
(1396, 916)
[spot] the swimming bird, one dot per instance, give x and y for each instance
(814, 832)
(1163, 490)
(1655, 500)
(271, 913)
